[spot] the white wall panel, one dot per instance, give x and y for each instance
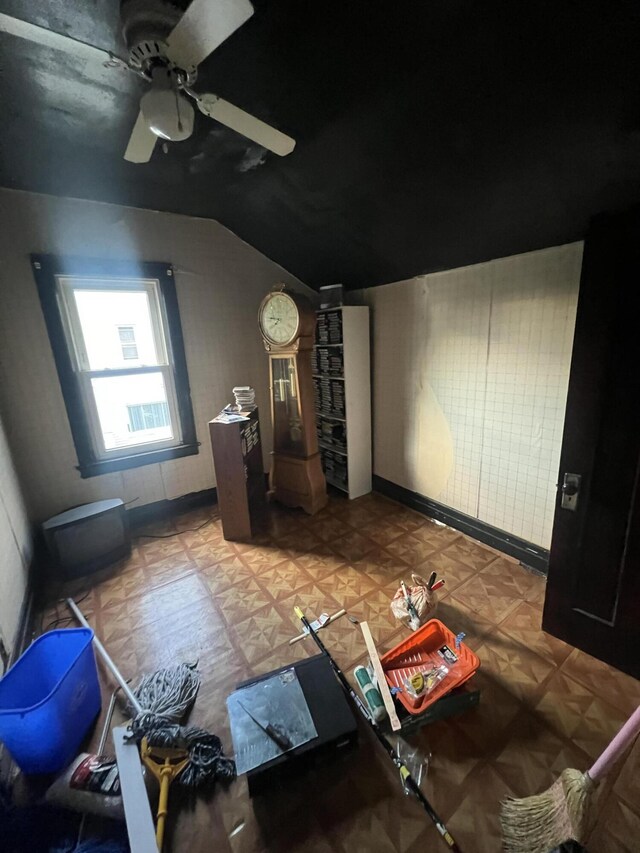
(470, 374)
(15, 546)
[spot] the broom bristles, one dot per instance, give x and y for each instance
(538, 824)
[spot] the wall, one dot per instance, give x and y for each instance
(220, 282)
(15, 546)
(470, 373)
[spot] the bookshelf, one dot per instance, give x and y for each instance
(342, 386)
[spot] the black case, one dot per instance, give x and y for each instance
(332, 716)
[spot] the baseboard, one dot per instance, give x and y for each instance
(526, 552)
(158, 510)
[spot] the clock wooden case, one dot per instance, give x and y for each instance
(287, 323)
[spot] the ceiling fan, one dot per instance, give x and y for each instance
(166, 46)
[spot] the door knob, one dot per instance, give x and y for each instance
(570, 490)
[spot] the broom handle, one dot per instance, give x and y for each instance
(617, 746)
(137, 707)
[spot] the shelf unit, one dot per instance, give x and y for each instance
(342, 383)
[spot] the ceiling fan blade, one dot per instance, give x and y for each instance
(141, 142)
(204, 26)
(56, 41)
(246, 124)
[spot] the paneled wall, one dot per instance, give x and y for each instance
(470, 373)
(15, 546)
(220, 282)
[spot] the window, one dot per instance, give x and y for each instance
(115, 332)
(149, 416)
(128, 342)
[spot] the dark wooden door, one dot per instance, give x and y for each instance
(593, 591)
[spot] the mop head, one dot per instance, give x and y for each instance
(540, 823)
(207, 762)
(170, 692)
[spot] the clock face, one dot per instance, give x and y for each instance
(279, 319)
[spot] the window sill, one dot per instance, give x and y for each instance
(137, 460)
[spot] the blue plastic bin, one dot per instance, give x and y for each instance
(48, 700)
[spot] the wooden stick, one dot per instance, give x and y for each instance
(137, 811)
(328, 622)
(383, 687)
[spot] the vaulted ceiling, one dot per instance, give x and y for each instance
(430, 133)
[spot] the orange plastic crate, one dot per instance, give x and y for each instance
(420, 650)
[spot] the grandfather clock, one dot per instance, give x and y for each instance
(287, 322)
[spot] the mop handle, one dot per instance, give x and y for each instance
(617, 746)
(137, 707)
(163, 806)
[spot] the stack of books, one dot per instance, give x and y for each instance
(245, 398)
(329, 328)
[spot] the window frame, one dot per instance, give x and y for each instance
(132, 343)
(142, 414)
(92, 460)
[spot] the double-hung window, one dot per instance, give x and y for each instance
(116, 336)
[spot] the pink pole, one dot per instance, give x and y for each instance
(618, 745)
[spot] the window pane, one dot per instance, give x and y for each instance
(132, 409)
(149, 416)
(117, 328)
(127, 335)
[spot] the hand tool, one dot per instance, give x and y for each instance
(276, 735)
(407, 779)
(414, 619)
(328, 622)
(166, 763)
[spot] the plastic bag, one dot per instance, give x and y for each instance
(424, 601)
(416, 761)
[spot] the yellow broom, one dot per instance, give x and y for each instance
(538, 824)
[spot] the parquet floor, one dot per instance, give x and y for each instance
(545, 705)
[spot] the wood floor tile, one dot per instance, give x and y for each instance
(620, 689)
(413, 551)
(516, 579)
(618, 829)
(467, 551)
(261, 633)
(453, 571)
(329, 528)
(319, 566)
(572, 710)
(283, 580)
(238, 602)
(535, 755)
(475, 824)
(544, 706)
(514, 667)
(490, 597)
(230, 572)
(524, 625)
(457, 616)
(347, 585)
(382, 531)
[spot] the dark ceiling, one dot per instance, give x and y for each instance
(431, 133)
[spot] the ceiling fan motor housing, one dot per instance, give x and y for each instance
(146, 24)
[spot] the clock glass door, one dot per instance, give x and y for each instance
(288, 429)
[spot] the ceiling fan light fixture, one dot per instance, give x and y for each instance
(166, 111)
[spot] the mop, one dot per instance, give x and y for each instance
(539, 823)
(158, 704)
